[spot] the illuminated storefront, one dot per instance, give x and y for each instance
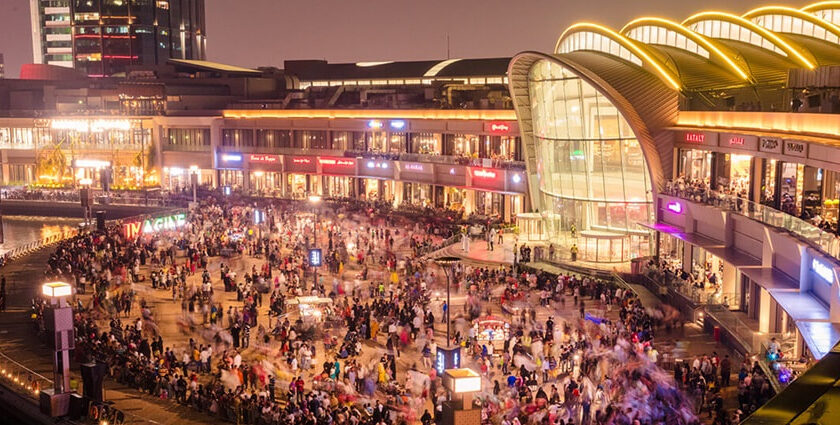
(593, 178)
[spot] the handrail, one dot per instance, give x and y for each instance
(827, 242)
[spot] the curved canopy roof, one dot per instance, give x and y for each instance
(716, 50)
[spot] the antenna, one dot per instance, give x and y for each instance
(447, 46)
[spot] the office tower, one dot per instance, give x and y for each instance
(104, 37)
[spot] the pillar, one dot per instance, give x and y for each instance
(765, 311)
(728, 281)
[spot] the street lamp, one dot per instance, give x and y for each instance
(58, 319)
(462, 383)
(447, 264)
(315, 257)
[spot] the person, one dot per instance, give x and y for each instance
(773, 349)
(426, 419)
(574, 251)
(725, 371)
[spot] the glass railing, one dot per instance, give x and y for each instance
(828, 242)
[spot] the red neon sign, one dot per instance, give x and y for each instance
(131, 230)
(695, 137)
(338, 162)
(736, 140)
(484, 173)
(301, 160)
(499, 127)
(267, 159)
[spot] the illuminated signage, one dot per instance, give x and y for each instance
(674, 207)
(91, 163)
(230, 157)
(374, 164)
(737, 140)
(262, 158)
(94, 126)
(414, 167)
(484, 173)
(337, 162)
(153, 225)
(499, 127)
(398, 124)
(516, 178)
(823, 271)
(301, 160)
(315, 257)
(376, 124)
(695, 138)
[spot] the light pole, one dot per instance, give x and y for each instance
(447, 264)
(194, 181)
(315, 200)
(59, 320)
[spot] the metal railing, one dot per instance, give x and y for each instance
(21, 379)
(827, 242)
(31, 247)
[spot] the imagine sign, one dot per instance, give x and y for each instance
(153, 225)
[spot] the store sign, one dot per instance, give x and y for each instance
(674, 207)
(231, 157)
(498, 127)
(486, 174)
(304, 161)
(770, 144)
(823, 271)
(337, 162)
(414, 166)
(315, 258)
(794, 148)
(695, 138)
(264, 158)
(376, 164)
(397, 124)
(154, 225)
(737, 140)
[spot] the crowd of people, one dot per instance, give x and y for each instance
(261, 339)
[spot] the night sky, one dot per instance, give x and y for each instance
(266, 32)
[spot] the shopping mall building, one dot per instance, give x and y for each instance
(711, 143)
(434, 133)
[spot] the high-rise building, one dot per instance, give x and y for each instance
(2, 67)
(104, 37)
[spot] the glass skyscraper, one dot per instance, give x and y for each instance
(104, 37)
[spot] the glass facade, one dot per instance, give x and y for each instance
(593, 178)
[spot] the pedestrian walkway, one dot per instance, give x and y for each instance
(17, 340)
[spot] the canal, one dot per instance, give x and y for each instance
(21, 230)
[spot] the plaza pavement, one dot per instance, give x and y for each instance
(25, 276)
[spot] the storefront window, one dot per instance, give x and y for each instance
(768, 182)
(274, 138)
(594, 179)
(426, 143)
(397, 143)
(188, 138)
(695, 165)
(740, 169)
(791, 182)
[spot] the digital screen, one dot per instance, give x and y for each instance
(315, 257)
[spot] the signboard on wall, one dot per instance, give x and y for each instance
(300, 164)
(337, 165)
(487, 178)
(795, 148)
(697, 138)
(738, 141)
(498, 127)
(154, 225)
(770, 144)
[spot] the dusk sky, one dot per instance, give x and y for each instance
(266, 32)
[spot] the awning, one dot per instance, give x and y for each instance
(692, 238)
(771, 279)
(819, 336)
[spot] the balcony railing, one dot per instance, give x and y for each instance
(827, 242)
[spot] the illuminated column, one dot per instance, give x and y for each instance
(59, 323)
(764, 313)
(728, 283)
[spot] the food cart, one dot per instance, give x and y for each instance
(313, 309)
(492, 330)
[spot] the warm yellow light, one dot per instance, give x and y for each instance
(629, 44)
(56, 289)
(697, 38)
(314, 199)
(193, 168)
(823, 5)
(794, 13)
(420, 114)
(764, 32)
(86, 182)
(259, 173)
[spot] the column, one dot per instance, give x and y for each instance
(765, 311)
(729, 278)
